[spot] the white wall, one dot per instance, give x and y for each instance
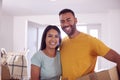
(20, 34)
(20, 28)
(110, 27)
(20, 25)
(6, 32)
(114, 29)
(0, 33)
(96, 19)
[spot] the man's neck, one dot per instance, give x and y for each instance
(74, 35)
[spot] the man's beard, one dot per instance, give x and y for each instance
(72, 31)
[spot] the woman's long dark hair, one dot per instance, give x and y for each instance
(43, 42)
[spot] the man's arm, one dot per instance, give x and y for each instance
(114, 57)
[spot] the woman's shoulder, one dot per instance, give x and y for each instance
(38, 53)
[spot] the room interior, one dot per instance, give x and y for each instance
(18, 16)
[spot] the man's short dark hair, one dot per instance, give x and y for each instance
(66, 11)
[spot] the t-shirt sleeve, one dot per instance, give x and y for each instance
(36, 59)
(100, 48)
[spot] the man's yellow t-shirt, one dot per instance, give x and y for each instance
(78, 55)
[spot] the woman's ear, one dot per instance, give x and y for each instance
(76, 20)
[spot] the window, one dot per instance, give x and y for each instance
(92, 29)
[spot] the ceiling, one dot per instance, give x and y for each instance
(47, 7)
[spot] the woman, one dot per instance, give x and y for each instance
(45, 64)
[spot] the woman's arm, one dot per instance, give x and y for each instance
(35, 72)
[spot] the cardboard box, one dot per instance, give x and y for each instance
(110, 74)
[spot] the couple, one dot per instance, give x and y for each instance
(46, 63)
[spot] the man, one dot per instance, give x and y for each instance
(79, 51)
